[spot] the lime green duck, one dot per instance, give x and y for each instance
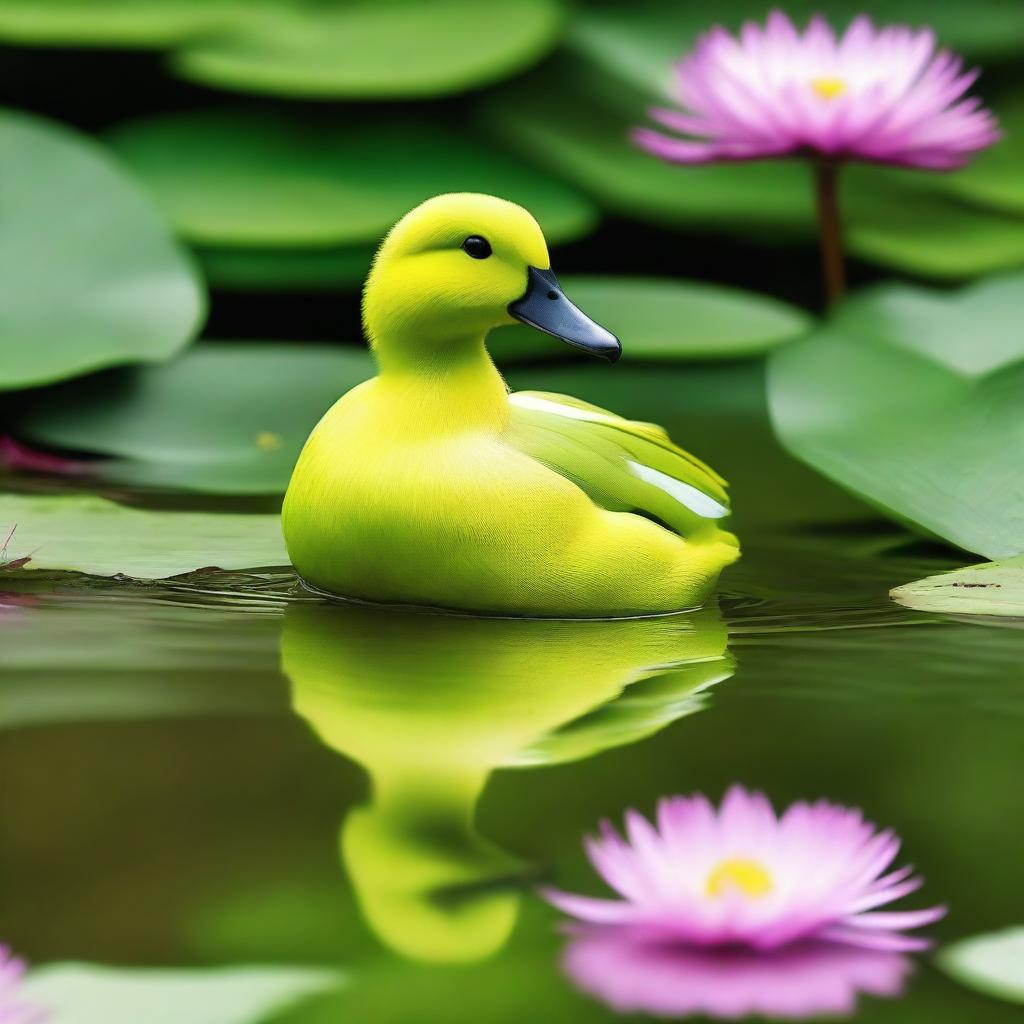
(431, 485)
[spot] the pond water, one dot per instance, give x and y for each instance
(225, 769)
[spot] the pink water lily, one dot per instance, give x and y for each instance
(742, 876)
(13, 1008)
(881, 94)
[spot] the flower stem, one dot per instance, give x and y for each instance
(833, 269)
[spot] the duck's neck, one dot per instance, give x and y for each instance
(454, 390)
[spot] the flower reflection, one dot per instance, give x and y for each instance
(431, 705)
(634, 975)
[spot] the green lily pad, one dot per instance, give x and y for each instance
(991, 588)
(385, 49)
(225, 418)
(912, 400)
(93, 994)
(101, 538)
(284, 270)
(127, 23)
(992, 963)
(264, 180)
(658, 319)
(91, 275)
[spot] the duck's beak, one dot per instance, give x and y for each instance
(545, 307)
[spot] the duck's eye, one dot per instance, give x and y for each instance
(477, 247)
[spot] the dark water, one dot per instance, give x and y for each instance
(225, 770)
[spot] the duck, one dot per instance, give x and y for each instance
(430, 484)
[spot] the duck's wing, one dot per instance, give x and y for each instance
(623, 465)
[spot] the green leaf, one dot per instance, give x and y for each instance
(105, 23)
(285, 270)
(659, 318)
(265, 180)
(992, 963)
(384, 49)
(98, 537)
(225, 418)
(91, 276)
(92, 994)
(911, 400)
(991, 588)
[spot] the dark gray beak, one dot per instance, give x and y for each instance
(545, 307)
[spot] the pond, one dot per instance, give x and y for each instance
(225, 769)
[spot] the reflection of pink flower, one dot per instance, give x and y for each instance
(879, 94)
(16, 456)
(12, 1009)
(802, 980)
(740, 875)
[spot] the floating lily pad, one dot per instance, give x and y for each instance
(992, 588)
(913, 400)
(992, 963)
(128, 23)
(257, 179)
(101, 538)
(388, 48)
(226, 417)
(91, 275)
(659, 319)
(93, 994)
(285, 270)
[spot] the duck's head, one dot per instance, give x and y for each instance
(457, 266)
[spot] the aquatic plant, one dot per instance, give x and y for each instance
(743, 876)
(883, 95)
(14, 1008)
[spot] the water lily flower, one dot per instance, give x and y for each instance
(804, 980)
(885, 95)
(13, 1009)
(742, 876)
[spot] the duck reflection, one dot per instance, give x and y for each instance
(430, 705)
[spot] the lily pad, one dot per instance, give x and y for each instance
(101, 538)
(659, 319)
(385, 49)
(93, 994)
(265, 180)
(91, 275)
(285, 270)
(127, 23)
(991, 588)
(913, 401)
(225, 418)
(992, 963)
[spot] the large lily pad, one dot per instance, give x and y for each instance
(226, 417)
(93, 994)
(127, 23)
(241, 178)
(388, 48)
(285, 270)
(101, 538)
(915, 401)
(658, 319)
(991, 588)
(992, 963)
(91, 275)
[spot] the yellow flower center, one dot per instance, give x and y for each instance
(267, 441)
(748, 876)
(828, 88)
